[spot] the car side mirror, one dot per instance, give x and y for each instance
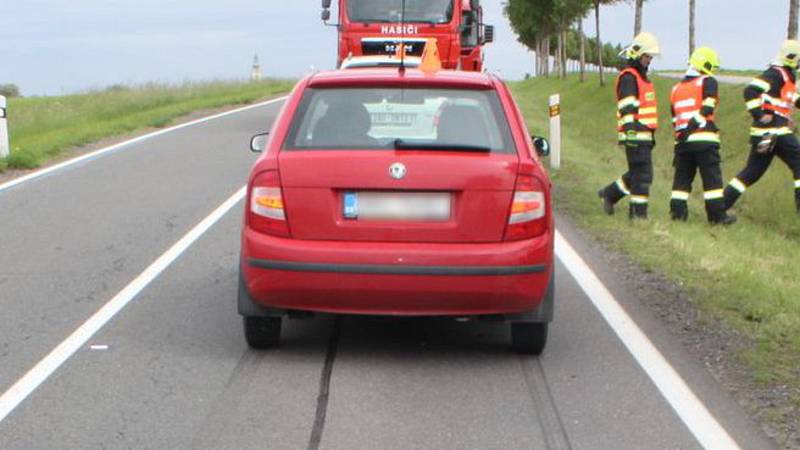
(258, 143)
(326, 15)
(488, 33)
(542, 146)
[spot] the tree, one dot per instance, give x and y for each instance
(597, 4)
(531, 20)
(637, 23)
(582, 38)
(9, 90)
(538, 22)
(691, 27)
(563, 14)
(792, 31)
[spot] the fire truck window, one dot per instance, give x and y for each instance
(390, 11)
(469, 34)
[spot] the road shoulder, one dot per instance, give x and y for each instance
(703, 349)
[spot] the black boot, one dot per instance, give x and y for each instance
(638, 211)
(727, 219)
(679, 210)
(608, 205)
(717, 214)
(797, 199)
(731, 195)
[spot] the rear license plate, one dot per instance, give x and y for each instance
(397, 206)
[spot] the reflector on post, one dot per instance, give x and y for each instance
(4, 149)
(555, 131)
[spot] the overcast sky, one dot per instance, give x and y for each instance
(64, 46)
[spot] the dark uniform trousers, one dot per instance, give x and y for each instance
(687, 162)
(787, 149)
(636, 181)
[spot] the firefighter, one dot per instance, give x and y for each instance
(694, 101)
(771, 99)
(637, 121)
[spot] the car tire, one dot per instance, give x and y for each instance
(262, 332)
(528, 338)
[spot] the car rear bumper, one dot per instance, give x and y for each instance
(396, 278)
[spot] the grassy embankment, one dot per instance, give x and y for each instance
(42, 128)
(748, 274)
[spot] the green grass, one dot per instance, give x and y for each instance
(747, 275)
(735, 72)
(42, 128)
(742, 72)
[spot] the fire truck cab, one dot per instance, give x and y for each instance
(378, 27)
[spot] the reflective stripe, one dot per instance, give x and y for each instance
(645, 101)
(715, 194)
(628, 101)
(738, 185)
(759, 83)
(760, 132)
(629, 118)
(753, 104)
(775, 101)
(680, 195)
(704, 136)
(685, 103)
(797, 184)
(644, 136)
(622, 187)
(639, 199)
(700, 119)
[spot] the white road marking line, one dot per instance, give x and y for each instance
(99, 152)
(98, 347)
(694, 414)
(47, 366)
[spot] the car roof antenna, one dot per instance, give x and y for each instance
(402, 44)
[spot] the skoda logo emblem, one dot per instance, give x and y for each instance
(397, 171)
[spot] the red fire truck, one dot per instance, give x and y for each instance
(378, 27)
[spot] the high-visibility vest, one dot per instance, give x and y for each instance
(648, 107)
(782, 106)
(687, 101)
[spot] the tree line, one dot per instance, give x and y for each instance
(554, 28)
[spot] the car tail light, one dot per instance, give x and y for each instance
(266, 212)
(528, 216)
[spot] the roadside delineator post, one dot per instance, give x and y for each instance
(555, 131)
(3, 128)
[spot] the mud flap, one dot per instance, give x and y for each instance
(544, 312)
(249, 308)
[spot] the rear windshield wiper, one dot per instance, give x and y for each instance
(400, 144)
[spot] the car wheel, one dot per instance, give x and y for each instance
(262, 332)
(528, 338)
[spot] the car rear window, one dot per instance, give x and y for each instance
(379, 118)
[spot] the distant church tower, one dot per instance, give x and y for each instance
(255, 72)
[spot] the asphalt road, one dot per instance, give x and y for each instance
(176, 372)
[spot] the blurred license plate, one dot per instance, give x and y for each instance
(406, 206)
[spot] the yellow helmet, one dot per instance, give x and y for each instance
(704, 60)
(789, 54)
(643, 44)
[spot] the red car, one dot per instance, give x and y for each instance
(402, 193)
